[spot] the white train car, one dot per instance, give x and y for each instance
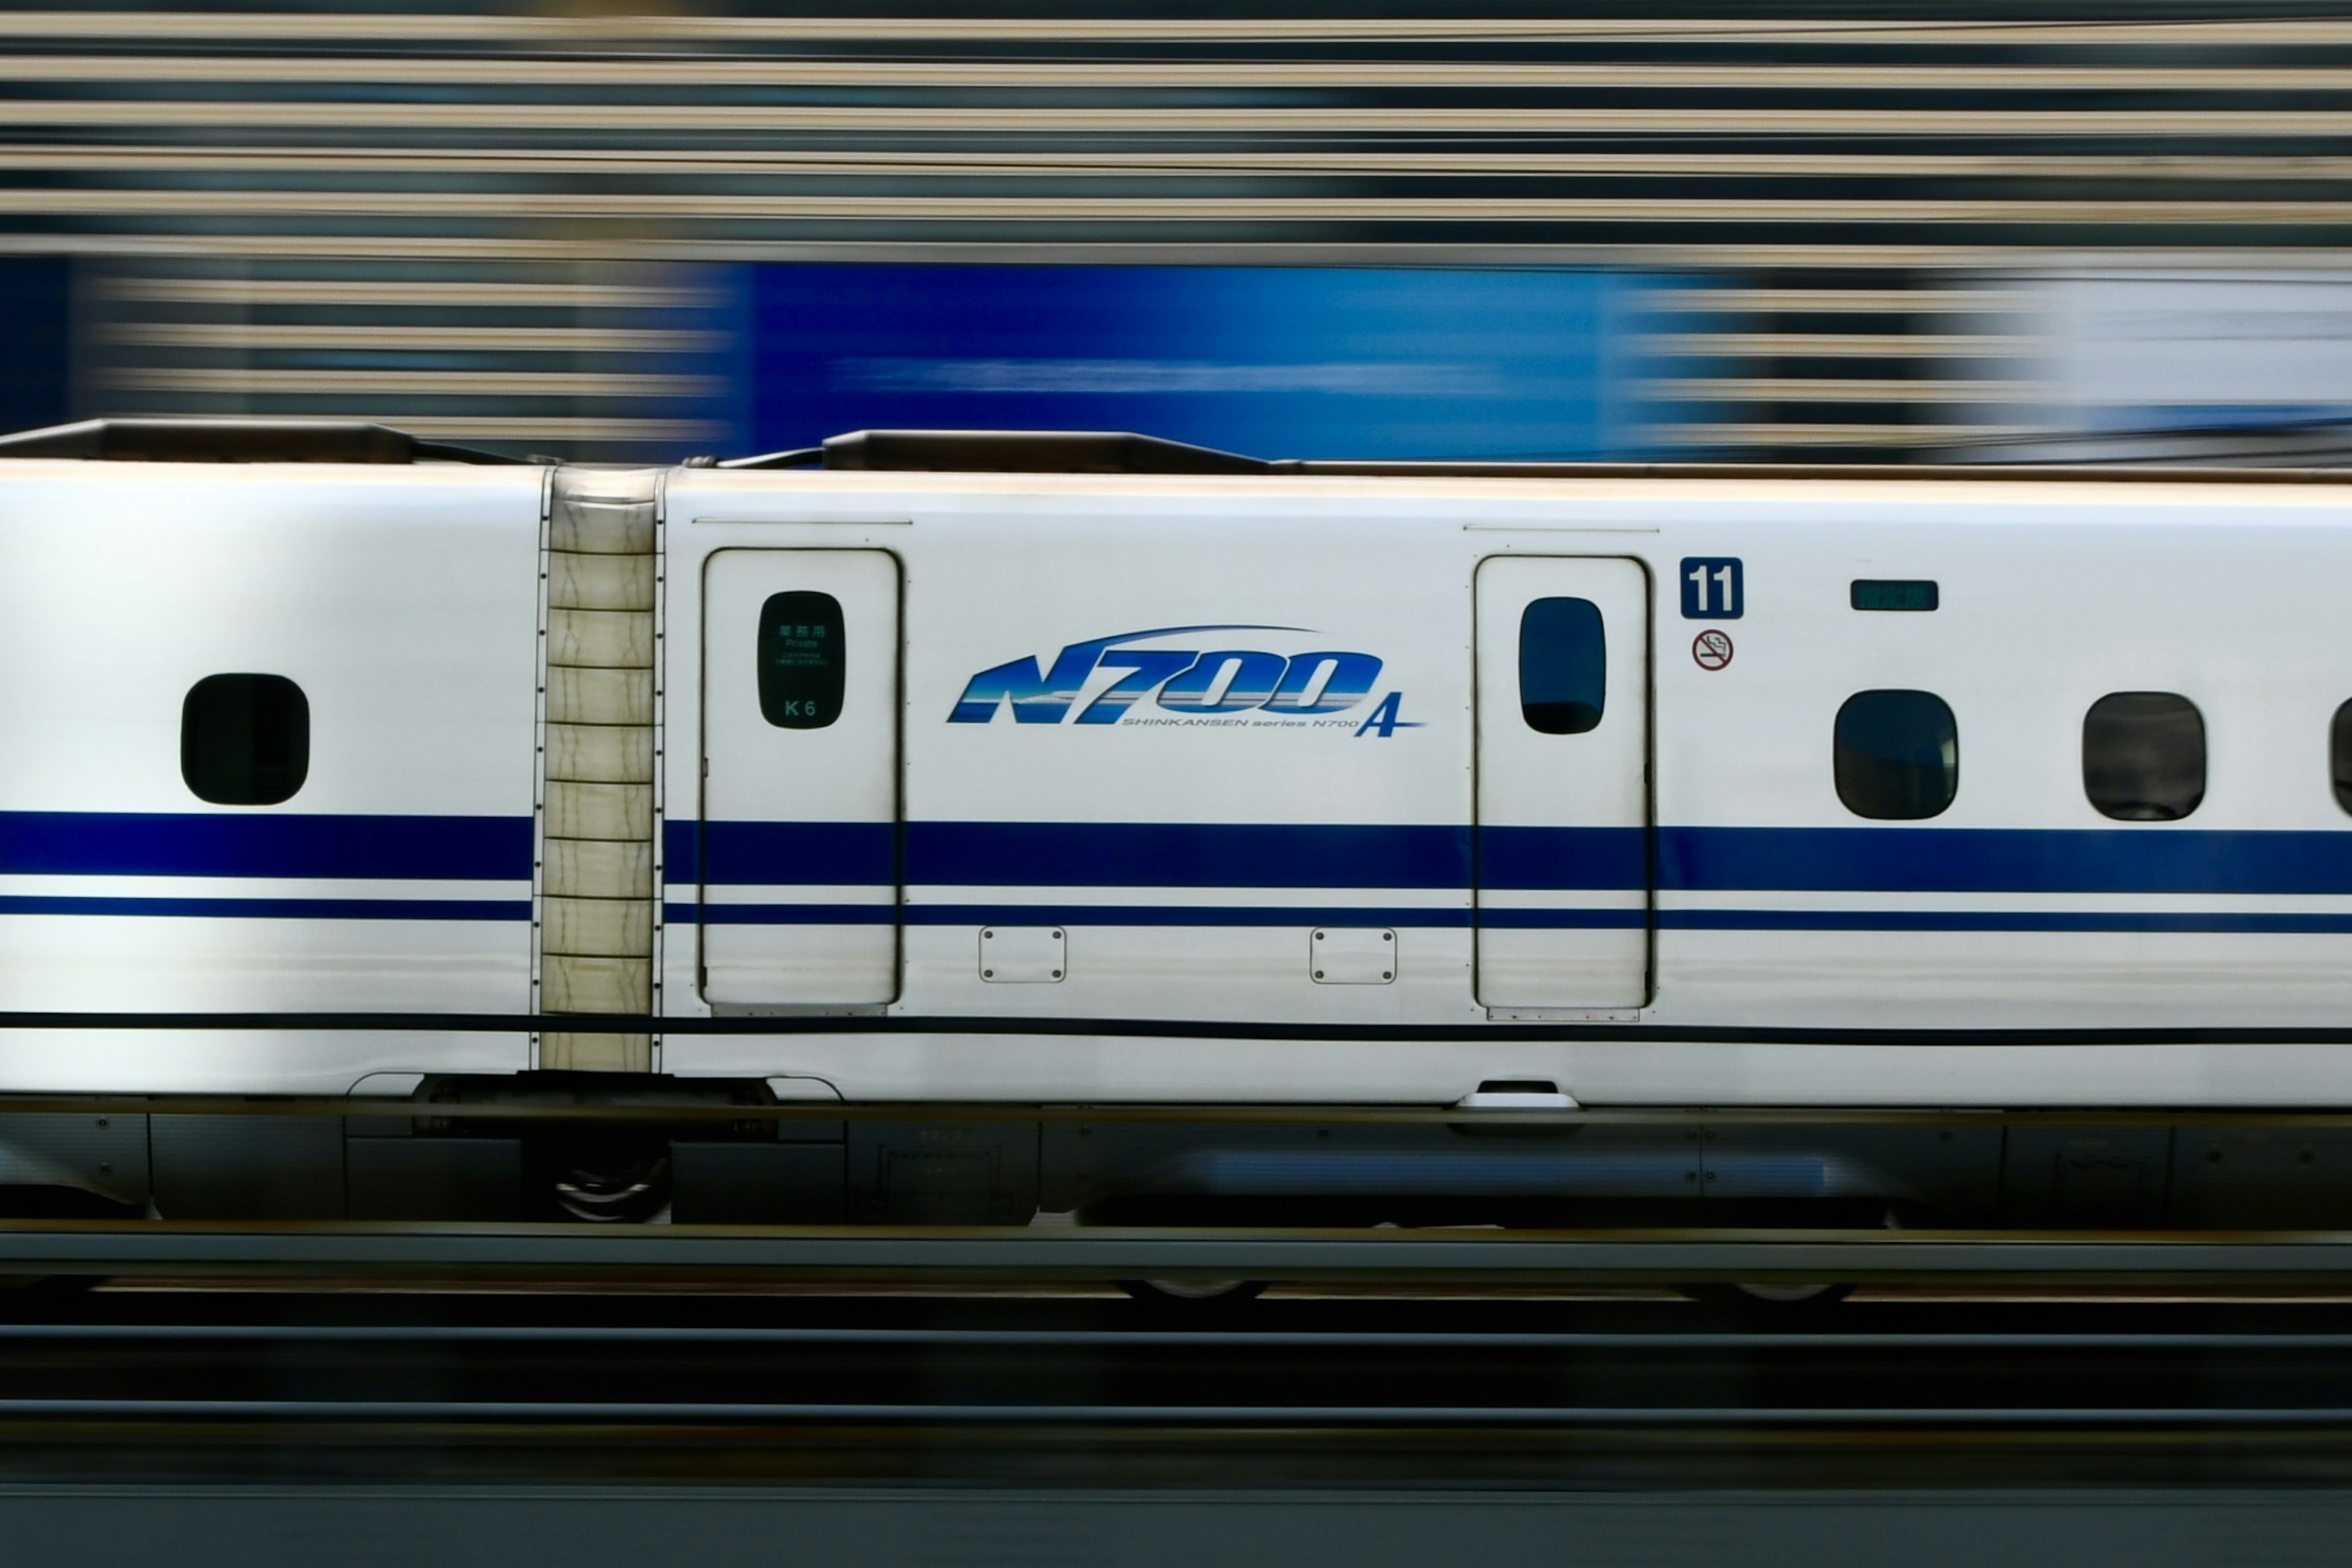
(1097, 771)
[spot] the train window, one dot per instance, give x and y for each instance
(803, 661)
(2339, 755)
(244, 740)
(2144, 755)
(1897, 754)
(1563, 666)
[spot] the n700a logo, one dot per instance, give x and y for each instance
(1183, 682)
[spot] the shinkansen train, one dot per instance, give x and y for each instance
(1091, 770)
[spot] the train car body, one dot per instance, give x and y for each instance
(1904, 795)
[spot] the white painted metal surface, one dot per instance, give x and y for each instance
(774, 797)
(1777, 908)
(1594, 784)
(396, 879)
(1323, 770)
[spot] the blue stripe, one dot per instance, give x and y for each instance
(1184, 855)
(1075, 854)
(2153, 859)
(1563, 858)
(826, 854)
(280, 909)
(259, 843)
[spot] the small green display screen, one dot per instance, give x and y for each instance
(801, 660)
(1888, 594)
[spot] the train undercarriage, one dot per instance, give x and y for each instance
(624, 1148)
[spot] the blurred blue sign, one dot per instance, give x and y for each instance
(36, 304)
(1274, 361)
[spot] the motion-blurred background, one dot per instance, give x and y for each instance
(1782, 229)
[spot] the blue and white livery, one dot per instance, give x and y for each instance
(1322, 786)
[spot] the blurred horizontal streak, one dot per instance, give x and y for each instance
(187, 26)
(550, 429)
(453, 1412)
(1839, 345)
(381, 291)
(550, 160)
(363, 247)
(457, 339)
(1816, 301)
(184, 26)
(1094, 73)
(1396, 209)
(598, 247)
(1774, 433)
(554, 429)
(1833, 389)
(373, 381)
(1400, 120)
(1177, 161)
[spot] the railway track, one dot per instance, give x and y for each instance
(637, 1256)
(174, 1384)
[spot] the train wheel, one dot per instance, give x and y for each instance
(608, 1191)
(1769, 1299)
(1166, 1290)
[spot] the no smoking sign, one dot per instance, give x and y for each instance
(1711, 649)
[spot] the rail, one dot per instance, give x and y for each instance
(669, 1255)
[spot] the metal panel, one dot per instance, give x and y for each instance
(271, 1167)
(757, 1184)
(435, 1178)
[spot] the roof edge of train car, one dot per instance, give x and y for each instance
(346, 441)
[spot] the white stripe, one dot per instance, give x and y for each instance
(1563, 898)
(1194, 898)
(785, 893)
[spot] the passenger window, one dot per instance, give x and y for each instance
(1897, 754)
(2144, 755)
(802, 660)
(1563, 666)
(2339, 755)
(244, 740)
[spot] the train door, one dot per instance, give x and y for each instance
(799, 839)
(1563, 798)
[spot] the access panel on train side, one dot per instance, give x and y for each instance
(1563, 878)
(799, 841)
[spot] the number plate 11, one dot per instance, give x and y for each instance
(1712, 590)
